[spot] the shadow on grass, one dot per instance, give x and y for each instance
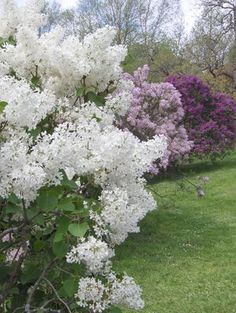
(197, 167)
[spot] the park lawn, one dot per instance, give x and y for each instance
(184, 258)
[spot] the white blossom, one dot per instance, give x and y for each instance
(125, 292)
(94, 253)
(92, 294)
(25, 107)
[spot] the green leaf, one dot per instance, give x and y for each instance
(2, 106)
(63, 223)
(39, 245)
(58, 236)
(78, 230)
(70, 286)
(30, 272)
(66, 204)
(70, 184)
(39, 220)
(80, 91)
(48, 200)
(93, 97)
(35, 80)
(12, 208)
(60, 249)
(35, 132)
(13, 199)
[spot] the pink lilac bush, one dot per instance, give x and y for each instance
(156, 109)
(209, 118)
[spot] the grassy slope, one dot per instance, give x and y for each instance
(185, 256)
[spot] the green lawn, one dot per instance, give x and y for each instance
(185, 256)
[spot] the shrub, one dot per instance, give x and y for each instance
(156, 109)
(209, 118)
(70, 181)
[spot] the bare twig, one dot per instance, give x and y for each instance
(11, 230)
(33, 288)
(57, 295)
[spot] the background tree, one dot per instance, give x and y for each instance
(123, 14)
(208, 45)
(224, 12)
(136, 21)
(56, 16)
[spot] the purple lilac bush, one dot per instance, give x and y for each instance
(209, 118)
(156, 109)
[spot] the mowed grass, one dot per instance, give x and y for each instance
(185, 255)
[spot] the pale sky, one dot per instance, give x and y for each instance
(67, 3)
(191, 11)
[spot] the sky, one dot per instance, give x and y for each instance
(191, 12)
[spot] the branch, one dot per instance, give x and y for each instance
(11, 230)
(25, 212)
(33, 288)
(57, 295)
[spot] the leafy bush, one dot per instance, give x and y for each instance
(209, 118)
(70, 181)
(156, 109)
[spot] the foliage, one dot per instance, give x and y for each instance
(209, 117)
(220, 83)
(156, 109)
(71, 185)
(163, 61)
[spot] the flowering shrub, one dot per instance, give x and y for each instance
(71, 184)
(209, 118)
(156, 109)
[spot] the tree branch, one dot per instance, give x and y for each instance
(57, 295)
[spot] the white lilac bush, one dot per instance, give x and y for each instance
(71, 185)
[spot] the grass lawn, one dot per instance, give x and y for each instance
(185, 256)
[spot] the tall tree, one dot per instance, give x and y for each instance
(123, 14)
(225, 17)
(208, 44)
(140, 21)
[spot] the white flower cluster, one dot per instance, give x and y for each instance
(126, 292)
(83, 139)
(25, 107)
(61, 62)
(121, 99)
(14, 17)
(123, 209)
(94, 253)
(19, 173)
(92, 295)
(97, 296)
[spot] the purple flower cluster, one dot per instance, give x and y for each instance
(156, 109)
(209, 118)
